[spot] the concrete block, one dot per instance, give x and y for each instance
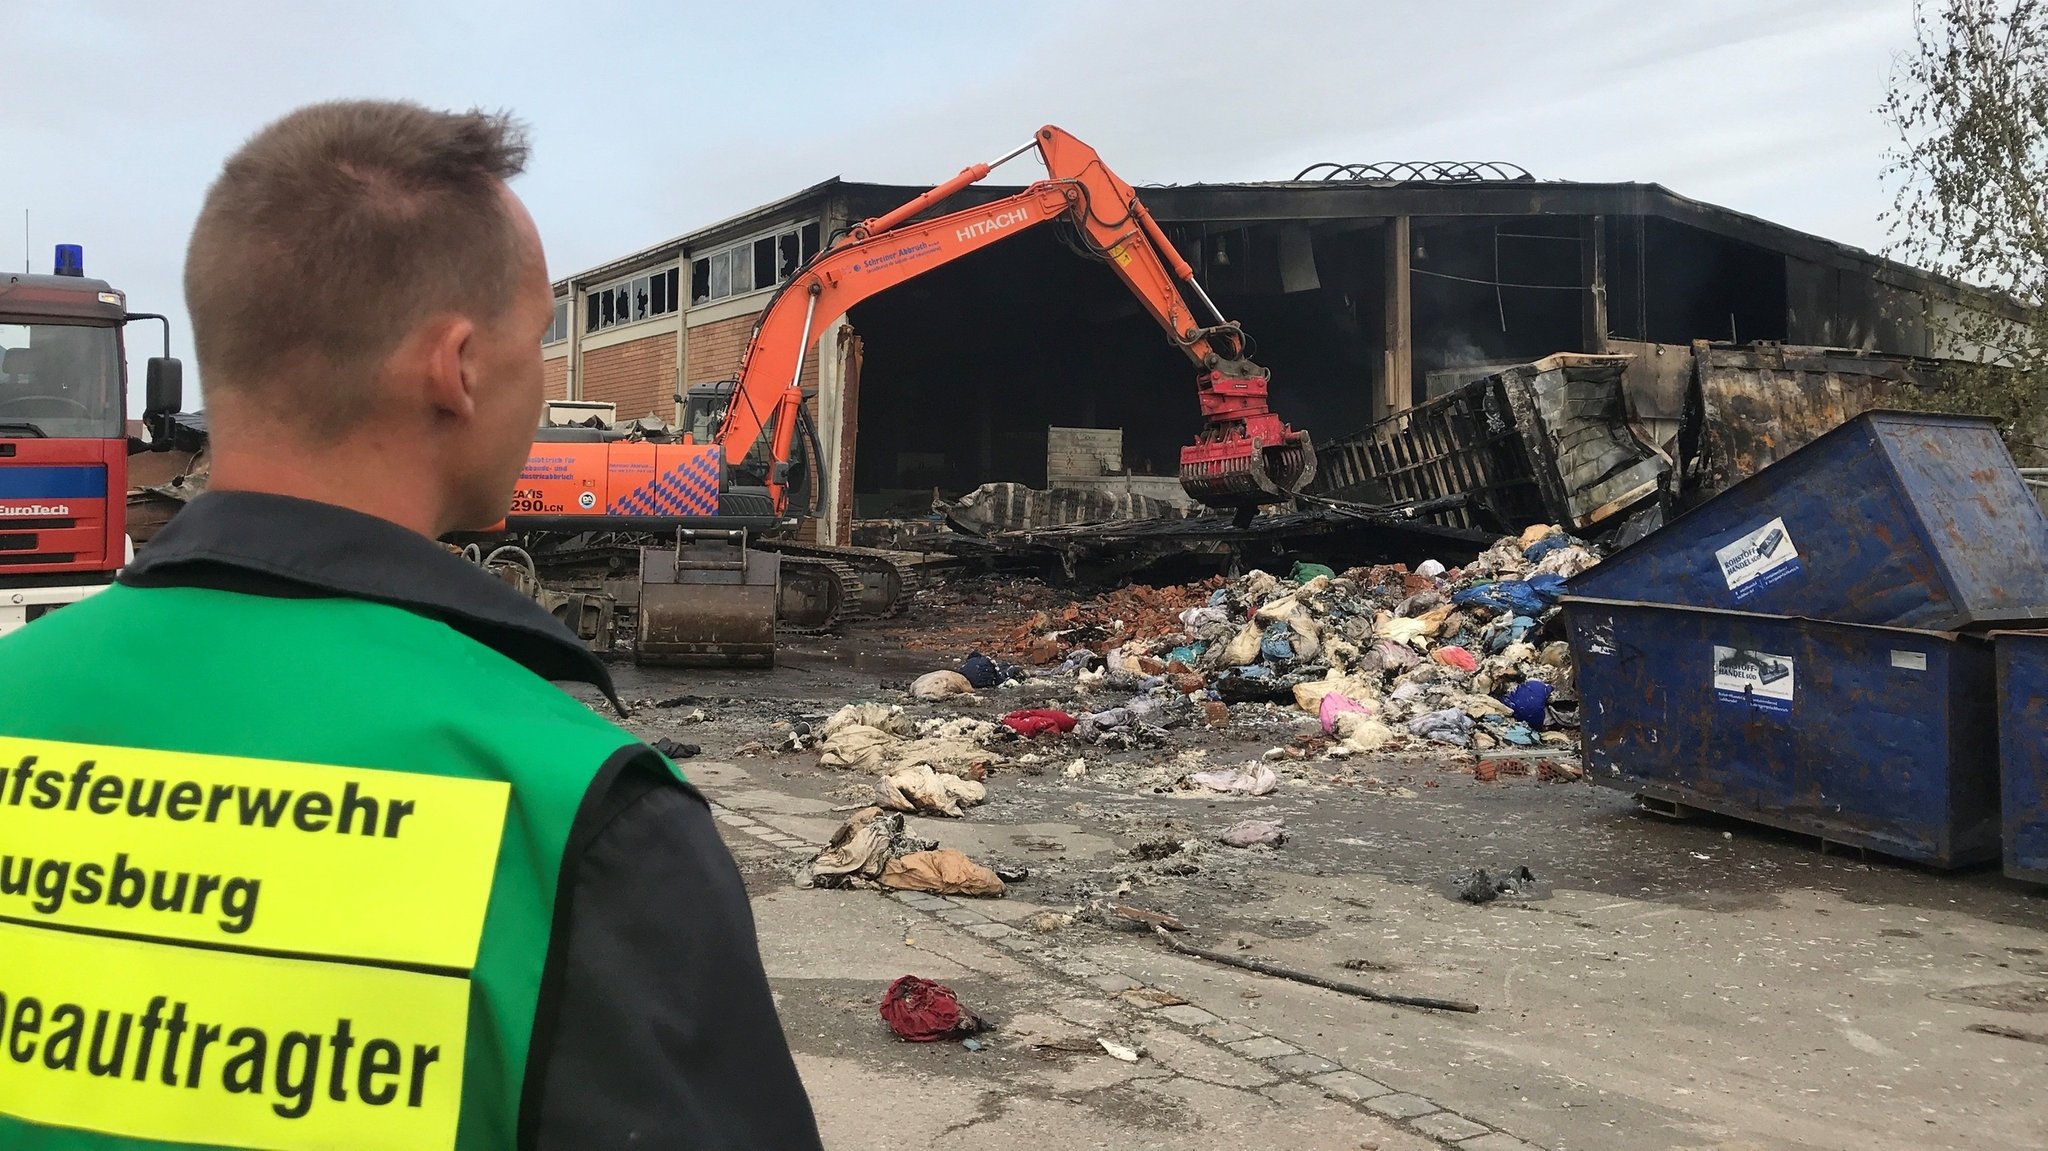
(1303, 1064)
(1115, 981)
(1187, 1015)
(1263, 1047)
(1449, 1128)
(1227, 1033)
(1351, 1085)
(1402, 1106)
(1496, 1142)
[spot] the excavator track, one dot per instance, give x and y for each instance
(885, 581)
(817, 594)
(821, 589)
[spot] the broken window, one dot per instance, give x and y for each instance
(752, 265)
(742, 271)
(643, 297)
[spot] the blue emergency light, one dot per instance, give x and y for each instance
(70, 260)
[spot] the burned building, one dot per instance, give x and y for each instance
(1367, 289)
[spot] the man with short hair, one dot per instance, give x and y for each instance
(306, 815)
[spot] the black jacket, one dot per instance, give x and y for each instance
(655, 1027)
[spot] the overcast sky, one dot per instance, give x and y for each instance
(652, 119)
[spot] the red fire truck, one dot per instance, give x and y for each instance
(63, 441)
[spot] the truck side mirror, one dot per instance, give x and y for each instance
(164, 392)
(163, 396)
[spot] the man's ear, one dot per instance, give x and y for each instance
(448, 351)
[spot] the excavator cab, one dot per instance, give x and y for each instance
(704, 407)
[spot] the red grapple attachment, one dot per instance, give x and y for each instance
(1247, 456)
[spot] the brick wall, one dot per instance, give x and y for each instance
(639, 376)
(716, 349)
(554, 375)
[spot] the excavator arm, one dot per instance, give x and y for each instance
(1246, 455)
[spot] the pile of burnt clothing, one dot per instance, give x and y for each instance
(1473, 657)
(877, 849)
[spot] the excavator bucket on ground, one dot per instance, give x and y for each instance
(708, 602)
(1247, 457)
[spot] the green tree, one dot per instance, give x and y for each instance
(1969, 183)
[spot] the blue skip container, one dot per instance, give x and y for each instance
(1907, 519)
(2023, 750)
(1876, 737)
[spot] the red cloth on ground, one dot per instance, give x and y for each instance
(1037, 721)
(923, 1012)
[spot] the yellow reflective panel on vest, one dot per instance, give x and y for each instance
(348, 862)
(182, 1044)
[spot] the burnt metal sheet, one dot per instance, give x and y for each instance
(1659, 378)
(1002, 507)
(2023, 751)
(1899, 518)
(1546, 442)
(1875, 737)
(1338, 538)
(1573, 413)
(1759, 403)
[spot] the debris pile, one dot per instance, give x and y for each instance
(1335, 664)
(1471, 658)
(1051, 636)
(1482, 887)
(913, 758)
(876, 849)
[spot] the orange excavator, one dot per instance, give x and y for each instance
(712, 591)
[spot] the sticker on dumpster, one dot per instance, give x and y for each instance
(1756, 678)
(1759, 559)
(1909, 660)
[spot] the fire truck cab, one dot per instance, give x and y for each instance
(63, 440)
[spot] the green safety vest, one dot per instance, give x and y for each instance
(275, 873)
